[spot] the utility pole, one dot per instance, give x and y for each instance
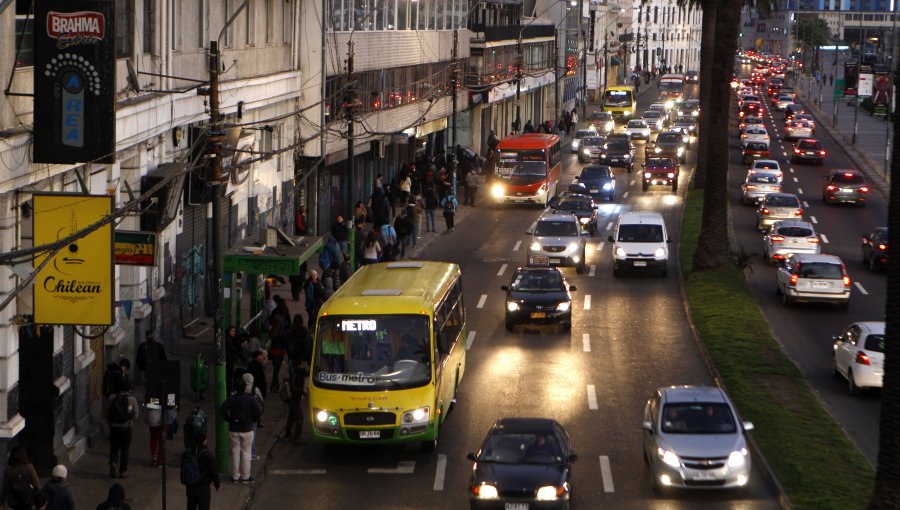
(859, 59)
(583, 73)
(454, 78)
(889, 117)
(214, 139)
(349, 104)
(517, 124)
(555, 78)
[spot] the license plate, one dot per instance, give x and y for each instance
(640, 263)
(595, 190)
(369, 434)
(847, 190)
(704, 476)
(516, 506)
(810, 153)
(540, 260)
(821, 285)
(555, 261)
(538, 315)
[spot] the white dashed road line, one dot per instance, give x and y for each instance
(600, 245)
(587, 302)
(813, 219)
(481, 301)
(592, 397)
(440, 471)
(502, 270)
(632, 182)
(296, 471)
(806, 204)
(795, 179)
(609, 226)
(470, 340)
(624, 195)
(593, 270)
(791, 169)
(799, 191)
(517, 246)
(586, 342)
(404, 467)
(824, 239)
(606, 474)
(861, 288)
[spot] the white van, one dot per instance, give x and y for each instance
(640, 243)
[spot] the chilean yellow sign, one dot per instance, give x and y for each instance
(76, 285)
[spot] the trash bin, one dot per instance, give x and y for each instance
(199, 375)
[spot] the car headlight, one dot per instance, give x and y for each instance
(574, 146)
(610, 126)
(647, 175)
(670, 175)
(680, 151)
(564, 306)
(627, 113)
(657, 150)
(512, 306)
(417, 415)
(668, 457)
(737, 458)
(498, 190)
(586, 151)
(548, 493)
(695, 113)
(486, 491)
(620, 253)
(536, 246)
(660, 253)
(669, 105)
(607, 186)
(572, 247)
(584, 221)
(602, 155)
(626, 156)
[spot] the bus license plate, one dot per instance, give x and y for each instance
(516, 506)
(640, 263)
(538, 315)
(369, 434)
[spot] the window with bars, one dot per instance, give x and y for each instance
(149, 22)
(124, 27)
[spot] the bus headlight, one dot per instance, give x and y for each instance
(326, 422)
(417, 415)
(680, 151)
(627, 113)
(669, 105)
(657, 150)
(498, 190)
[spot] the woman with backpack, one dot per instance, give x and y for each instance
(198, 471)
(20, 481)
(448, 203)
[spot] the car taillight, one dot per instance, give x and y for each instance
(777, 239)
(821, 153)
(882, 247)
(813, 240)
(776, 188)
(765, 211)
(749, 187)
(798, 212)
(741, 115)
(846, 281)
(796, 151)
(861, 358)
(744, 136)
(864, 189)
(830, 187)
(794, 278)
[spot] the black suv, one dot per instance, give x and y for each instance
(845, 186)
(617, 152)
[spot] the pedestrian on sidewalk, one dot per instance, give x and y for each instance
(471, 188)
(298, 339)
(403, 228)
(830, 79)
(298, 373)
(372, 249)
(315, 296)
(414, 210)
(567, 118)
(241, 409)
(431, 203)
(198, 471)
(20, 481)
(449, 204)
(254, 389)
(115, 499)
(123, 410)
(58, 493)
(114, 376)
(574, 118)
(154, 418)
(148, 352)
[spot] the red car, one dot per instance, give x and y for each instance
(753, 151)
(751, 109)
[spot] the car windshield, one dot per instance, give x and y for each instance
(523, 172)
(574, 204)
(556, 228)
(698, 418)
(657, 162)
(372, 352)
(795, 231)
(581, 133)
(521, 448)
(785, 98)
(617, 145)
(637, 124)
(638, 233)
(684, 120)
(617, 98)
(532, 281)
(669, 138)
(762, 179)
(592, 141)
(848, 178)
(875, 343)
(601, 116)
(782, 201)
(824, 270)
(652, 114)
(595, 172)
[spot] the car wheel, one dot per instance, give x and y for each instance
(617, 272)
(872, 265)
(852, 388)
(786, 300)
(431, 445)
(861, 204)
(834, 368)
(509, 326)
(645, 186)
(664, 272)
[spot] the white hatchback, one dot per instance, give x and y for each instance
(755, 135)
(790, 236)
(767, 165)
(859, 356)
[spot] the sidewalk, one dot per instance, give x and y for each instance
(869, 152)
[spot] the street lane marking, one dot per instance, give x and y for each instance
(592, 397)
(632, 182)
(440, 471)
(593, 270)
(792, 169)
(587, 302)
(813, 219)
(517, 246)
(481, 301)
(586, 342)
(600, 245)
(502, 270)
(824, 239)
(795, 179)
(404, 467)
(609, 226)
(799, 191)
(625, 195)
(806, 204)
(470, 340)
(606, 474)
(296, 471)
(861, 288)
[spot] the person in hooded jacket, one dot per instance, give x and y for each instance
(58, 493)
(115, 499)
(18, 466)
(381, 208)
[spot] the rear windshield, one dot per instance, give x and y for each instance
(822, 270)
(763, 179)
(852, 178)
(795, 231)
(617, 145)
(553, 228)
(637, 233)
(684, 120)
(809, 145)
(652, 114)
(782, 201)
(875, 343)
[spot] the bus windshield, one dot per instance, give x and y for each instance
(617, 98)
(671, 86)
(372, 353)
(519, 172)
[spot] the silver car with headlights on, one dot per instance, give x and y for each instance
(557, 240)
(693, 438)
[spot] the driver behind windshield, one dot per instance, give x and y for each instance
(542, 444)
(410, 349)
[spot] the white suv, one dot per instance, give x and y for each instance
(640, 243)
(557, 240)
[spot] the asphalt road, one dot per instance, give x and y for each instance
(629, 337)
(805, 331)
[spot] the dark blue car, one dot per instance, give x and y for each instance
(598, 181)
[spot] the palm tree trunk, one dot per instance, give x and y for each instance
(713, 248)
(887, 478)
(707, 49)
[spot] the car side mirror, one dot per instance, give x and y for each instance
(748, 426)
(647, 426)
(529, 232)
(471, 456)
(504, 287)
(572, 288)
(573, 457)
(834, 338)
(610, 239)
(669, 240)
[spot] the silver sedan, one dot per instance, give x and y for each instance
(775, 207)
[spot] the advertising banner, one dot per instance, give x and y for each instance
(135, 248)
(74, 81)
(864, 87)
(76, 285)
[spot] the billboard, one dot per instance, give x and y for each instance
(135, 248)
(74, 81)
(76, 285)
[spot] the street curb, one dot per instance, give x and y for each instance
(783, 501)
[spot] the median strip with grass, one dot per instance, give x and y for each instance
(813, 459)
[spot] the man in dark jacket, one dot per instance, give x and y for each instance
(403, 227)
(198, 494)
(381, 208)
(258, 371)
(58, 493)
(297, 374)
(240, 410)
(149, 352)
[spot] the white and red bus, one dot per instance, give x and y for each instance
(527, 169)
(671, 86)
